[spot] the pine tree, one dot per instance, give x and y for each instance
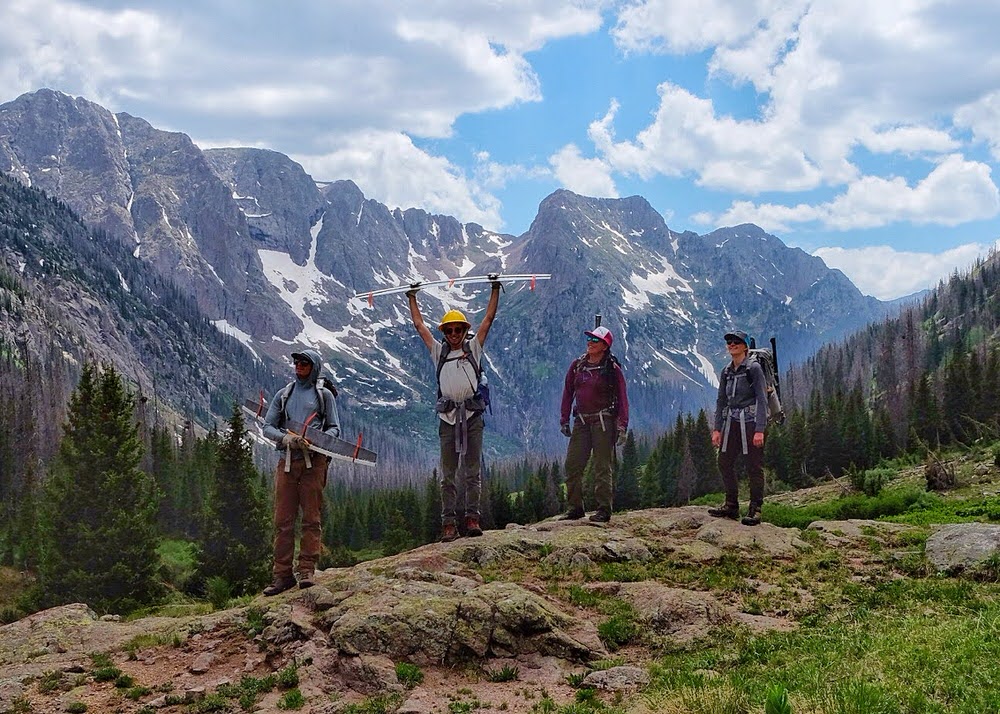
(236, 540)
(432, 509)
(627, 495)
(98, 535)
(397, 534)
(552, 504)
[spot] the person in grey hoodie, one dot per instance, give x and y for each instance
(301, 473)
(740, 421)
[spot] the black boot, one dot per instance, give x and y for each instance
(572, 514)
(727, 510)
(603, 515)
(752, 518)
(280, 585)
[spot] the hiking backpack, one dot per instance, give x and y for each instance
(607, 372)
(482, 390)
(320, 401)
(768, 364)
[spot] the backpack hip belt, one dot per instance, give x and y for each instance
(741, 415)
(610, 413)
(748, 413)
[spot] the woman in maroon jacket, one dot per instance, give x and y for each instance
(596, 384)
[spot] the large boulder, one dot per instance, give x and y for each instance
(962, 546)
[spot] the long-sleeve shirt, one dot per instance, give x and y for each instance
(739, 388)
(594, 391)
(301, 404)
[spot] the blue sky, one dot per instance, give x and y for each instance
(866, 133)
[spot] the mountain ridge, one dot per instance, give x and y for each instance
(274, 258)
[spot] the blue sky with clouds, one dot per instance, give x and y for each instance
(866, 133)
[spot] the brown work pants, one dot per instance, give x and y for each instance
(465, 466)
(590, 438)
(300, 488)
(754, 464)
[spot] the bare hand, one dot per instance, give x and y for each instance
(758, 439)
(717, 438)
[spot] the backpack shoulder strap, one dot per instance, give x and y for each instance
(285, 394)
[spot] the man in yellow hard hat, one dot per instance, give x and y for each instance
(460, 407)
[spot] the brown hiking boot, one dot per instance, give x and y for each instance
(752, 518)
(280, 585)
(726, 511)
(602, 515)
(472, 528)
(449, 532)
(306, 581)
(572, 514)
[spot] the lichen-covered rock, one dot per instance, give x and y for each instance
(962, 546)
(617, 679)
(431, 623)
(680, 615)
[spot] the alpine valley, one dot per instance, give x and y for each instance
(175, 240)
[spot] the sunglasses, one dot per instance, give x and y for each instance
(734, 342)
(298, 362)
(454, 330)
(594, 339)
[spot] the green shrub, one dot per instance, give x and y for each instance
(218, 591)
(106, 674)
(76, 708)
(504, 674)
(777, 701)
(617, 631)
(292, 699)
(409, 675)
(137, 693)
(124, 681)
(288, 677)
(255, 622)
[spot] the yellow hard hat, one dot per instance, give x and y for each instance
(453, 316)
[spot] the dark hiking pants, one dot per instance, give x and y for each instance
(590, 438)
(300, 488)
(754, 464)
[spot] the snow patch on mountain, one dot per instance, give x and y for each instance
(225, 328)
(664, 282)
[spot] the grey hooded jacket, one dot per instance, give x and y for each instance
(302, 403)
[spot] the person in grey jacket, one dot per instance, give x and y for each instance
(301, 473)
(740, 421)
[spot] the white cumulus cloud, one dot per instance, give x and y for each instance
(887, 273)
(954, 192)
(833, 76)
(388, 167)
(588, 177)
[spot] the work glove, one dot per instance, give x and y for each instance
(412, 292)
(622, 435)
(292, 441)
(565, 430)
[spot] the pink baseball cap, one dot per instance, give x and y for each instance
(601, 333)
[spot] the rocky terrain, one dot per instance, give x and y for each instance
(517, 621)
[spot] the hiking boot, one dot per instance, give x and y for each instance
(280, 585)
(572, 514)
(472, 528)
(726, 511)
(602, 515)
(449, 532)
(306, 581)
(752, 518)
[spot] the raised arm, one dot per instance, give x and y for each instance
(418, 320)
(491, 312)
